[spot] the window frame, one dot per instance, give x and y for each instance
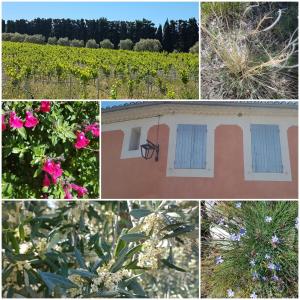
(127, 129)
(209, 168)
(285, 157)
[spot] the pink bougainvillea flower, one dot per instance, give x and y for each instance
(53, 169)
(31, 121)
(94, 128)
(81, 141)
(3, 123)
(81, 190)
(49, 166)
(46, 180)
(68, 194)
(14, 121)
(56, 173)
(45, 106)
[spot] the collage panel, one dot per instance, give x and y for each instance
(249, 249)
(249, 50)
(100, 50)
(200, 149)
(182, 161)
(50, 149)
(100, 249)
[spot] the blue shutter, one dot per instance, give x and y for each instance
(266, 150)
(184, 141)
(191, 147)
(198, 159)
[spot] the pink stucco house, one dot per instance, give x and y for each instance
(207, 149)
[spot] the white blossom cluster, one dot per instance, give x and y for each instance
(108, 279)
(152, 250)
(79, 281)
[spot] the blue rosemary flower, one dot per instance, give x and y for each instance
(238, 204)
(268, 219)
(230, 293)
(243, 231)
(271, 266)
(253, 295)
(275, 278)
(252, 262)
(275, 239)
(219, 260)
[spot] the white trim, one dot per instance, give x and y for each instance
(126, 127)
(212, 123)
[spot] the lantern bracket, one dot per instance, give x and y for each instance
(148, 149)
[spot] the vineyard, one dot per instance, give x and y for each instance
(46, 71)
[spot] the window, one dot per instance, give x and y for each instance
(191, 143)
(266, 149)
(135, 137)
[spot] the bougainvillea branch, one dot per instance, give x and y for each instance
(49, 140)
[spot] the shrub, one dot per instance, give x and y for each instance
(195, 49)
(94, 249)
(35, 39)
(18, 37)
(52, 40)
(6, 36)
(63, 42)
(77, 43)
(53, 153)
(251, 249)
(148, 45)
(106, 44)
(91, 44)
(126, 44)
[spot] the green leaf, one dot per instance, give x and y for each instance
(45, 189)
(120, 260)
(135, 229)
(136, 288)
(16, 150)
(70, 135)
(10, 292)
(133, 237)
(134, 250)
(21, 232)
(172, 226)
(121, 244)
(14, 242)
(37, 172)
(22, 132)
(69, 107)
(80, 259)
(172, 266)
(53, 280)
(140, 213)
(179, 231)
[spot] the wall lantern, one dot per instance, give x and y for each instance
(148, 149)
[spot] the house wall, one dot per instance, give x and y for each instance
(134, 177)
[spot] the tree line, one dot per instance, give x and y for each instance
(179, 35)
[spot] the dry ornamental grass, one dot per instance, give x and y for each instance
(248, 53)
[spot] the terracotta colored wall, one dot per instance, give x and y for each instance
(138, 178)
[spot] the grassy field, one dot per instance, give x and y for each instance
(58, 72)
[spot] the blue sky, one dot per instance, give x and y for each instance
(105, 104)
(157, 12)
